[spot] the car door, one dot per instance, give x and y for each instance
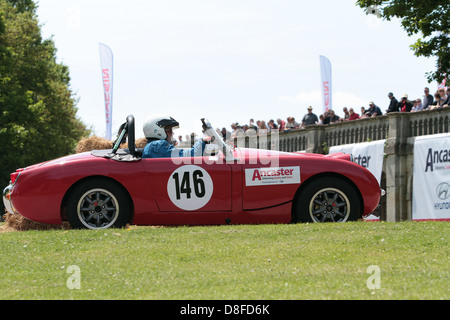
(190, 184)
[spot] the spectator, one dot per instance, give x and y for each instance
(334, 118)
(418, 106)
(447, 100)
(237, 132)
(352, 115)
(291, 124)
(427, 98)
(441, 91)
(374, 111)
(262, 127)
(326, 117)
(346, 113)
(226, 135)
(405, 105)
(438, 102)
(393, 105)
(233, 127)
(321, 119)
(309, 118)
(272, 125)
(364, 112)
(281, 125)
(252, 126)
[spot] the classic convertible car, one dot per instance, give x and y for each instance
(227, 185)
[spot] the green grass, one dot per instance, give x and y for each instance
(303, 261)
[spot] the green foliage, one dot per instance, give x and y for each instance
(325, 148)
(23, 5)
(38, 119)
(428, 18)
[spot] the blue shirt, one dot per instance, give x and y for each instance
(163, 149)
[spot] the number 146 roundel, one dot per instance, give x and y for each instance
(226, 185)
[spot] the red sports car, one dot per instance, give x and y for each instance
(228, 185)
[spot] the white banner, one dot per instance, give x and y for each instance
(106, 60)
(370, 155)
(325, 70)
(431, 181)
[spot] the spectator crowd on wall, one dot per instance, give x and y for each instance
(441, 99)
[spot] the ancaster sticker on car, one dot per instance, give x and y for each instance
(190, 187)
(271, 176)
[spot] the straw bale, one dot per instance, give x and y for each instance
(17, 222)
(97, 143)
(140, 143)
(93, 143)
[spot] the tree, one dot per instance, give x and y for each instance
(38, 119)
(430, 19)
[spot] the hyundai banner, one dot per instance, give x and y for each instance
(106, 60)
(431, 181)
(325, 70)
(370, 155)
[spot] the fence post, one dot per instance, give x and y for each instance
(315, 139)
(399, 168)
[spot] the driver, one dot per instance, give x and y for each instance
(159, 132)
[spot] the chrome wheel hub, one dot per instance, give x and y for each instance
(329, 205)
(98, 209)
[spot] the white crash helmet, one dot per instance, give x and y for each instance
(155, 124)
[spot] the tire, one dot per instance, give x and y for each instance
(98, 204)
(328, 199)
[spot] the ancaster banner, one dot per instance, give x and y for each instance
(370, 155)
(106, 60)
(431, 181)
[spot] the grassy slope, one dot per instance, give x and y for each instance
(304, 261)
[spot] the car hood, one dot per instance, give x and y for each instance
(62, 160)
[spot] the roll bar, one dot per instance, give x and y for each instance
(126, 129)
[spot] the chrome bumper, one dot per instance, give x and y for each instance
(7, 199)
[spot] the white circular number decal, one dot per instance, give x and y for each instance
(190, 187)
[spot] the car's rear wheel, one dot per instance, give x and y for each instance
(328, 199)
(98, 204)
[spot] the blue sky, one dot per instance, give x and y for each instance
(229, 60)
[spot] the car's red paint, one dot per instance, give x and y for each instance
(40, 191)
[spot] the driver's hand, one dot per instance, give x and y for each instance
(207, 140)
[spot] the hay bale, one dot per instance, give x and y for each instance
(140, 143)
(93, 143)
(17, 222)
(97, 143)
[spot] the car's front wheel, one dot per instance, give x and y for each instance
(328, 199)
(98, 204)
